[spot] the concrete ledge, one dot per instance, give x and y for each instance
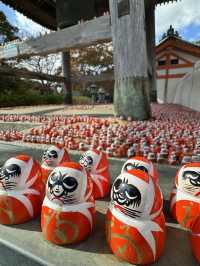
(24, 245)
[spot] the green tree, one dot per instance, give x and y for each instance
(93, 60)
(7, 31)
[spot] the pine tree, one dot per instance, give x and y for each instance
(7, 31)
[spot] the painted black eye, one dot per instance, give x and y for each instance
(117, 184)
(90, 160)
(11, 170)
(126, 194)
(190, 174)
(53, 154)
(142, 168)
(70, 183)
(132, 192)
(194, 177)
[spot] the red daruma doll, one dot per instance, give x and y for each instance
(135, 224)
(96, 163)
(68, 210)
(185, 196)
(143, 164)
(51, 158)
(21, 190)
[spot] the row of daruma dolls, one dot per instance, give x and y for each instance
(64, 193)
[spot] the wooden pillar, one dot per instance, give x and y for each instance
(131, 96)
(151, 43)
(65, 17)
(66, 67)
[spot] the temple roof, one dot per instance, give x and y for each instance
(175, 42)
(44, 11)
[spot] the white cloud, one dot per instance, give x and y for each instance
(180, 14)
(28, 27)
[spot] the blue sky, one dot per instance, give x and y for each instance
(183, 15)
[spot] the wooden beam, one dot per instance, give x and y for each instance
(88, 33)
(23, 73)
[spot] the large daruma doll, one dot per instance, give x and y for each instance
(51, 158)
(68, 210)
(141, 163)
(21, 190)
(135, 224)
(96, 164)
(185, 196)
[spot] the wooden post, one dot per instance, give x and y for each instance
(131, 96)
(150, 35)
(66, 67)
(62, 22)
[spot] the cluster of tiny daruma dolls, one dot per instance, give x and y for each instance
(172, 138)
(64, 193)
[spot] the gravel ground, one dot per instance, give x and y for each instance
(60, 109)
(17, 126)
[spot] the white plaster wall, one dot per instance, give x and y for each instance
(188, 91)
(160, 90)
(171, 90)
(181, 70)
(172, 84)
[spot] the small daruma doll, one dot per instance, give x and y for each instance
(185, 196)
(21, 190)
(135, 224)
(68, 210)
(51, 158)
(141, 163)
(96, 163)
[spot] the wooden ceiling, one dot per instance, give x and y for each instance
(44, 11)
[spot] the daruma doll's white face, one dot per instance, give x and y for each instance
(14, 173)
(189, 180)
(66, 186)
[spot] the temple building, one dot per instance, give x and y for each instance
(175, 58)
